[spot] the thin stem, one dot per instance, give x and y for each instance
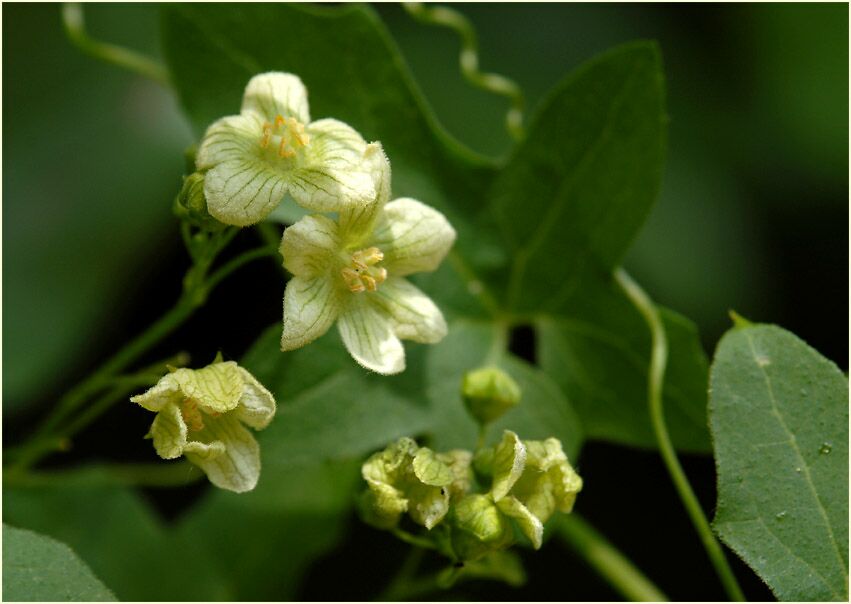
(658, 360)
(469, 60)
(238, 262)
(75, 28)
(411, 539)
(611, 564)
(397, 589)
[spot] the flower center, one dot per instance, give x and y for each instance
(287, 133)
(192, 415)
(361, 274)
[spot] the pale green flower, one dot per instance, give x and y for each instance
(407, 478)
(200, 414)
(352, 270)
(531, 480)
(272, 148)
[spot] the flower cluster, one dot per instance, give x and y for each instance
(200, 414)
(349, 268)
(522, 482)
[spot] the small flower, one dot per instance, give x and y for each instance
(272, 148)
(488, 393)
(353, 271)
(200, 413)
(408, 478)
(531, 480)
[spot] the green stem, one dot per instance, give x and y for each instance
(469, 60)
(416, 541)
(611, 564)
(75, 28)
(398, 588)
(658, 360)
(239, 262)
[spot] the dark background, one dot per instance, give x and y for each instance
(753, 216)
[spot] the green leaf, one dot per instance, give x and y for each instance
(779, 418)
(119, 536)
(37, 568)
(600, 355)
(580, 186)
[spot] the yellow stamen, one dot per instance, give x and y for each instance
(361, 274)
(291, 133)
(192, 415)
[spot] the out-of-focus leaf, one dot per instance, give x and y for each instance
(115, 532)
(779, 417)
(37, 569)
(600, 354)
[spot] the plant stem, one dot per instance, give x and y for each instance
(75, 28)
(150, 475)
(238, 262)
(398, 588)
(658, 360)
(611, 564)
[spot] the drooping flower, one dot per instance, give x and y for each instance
(272, 148)
(407, 478)
(352, 270)
(200, 414)
(531, 480)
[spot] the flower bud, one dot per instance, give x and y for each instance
(191, 204)
(488, 393)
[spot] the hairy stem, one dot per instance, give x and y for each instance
(656, 377)
(611, 564)
(75, 28)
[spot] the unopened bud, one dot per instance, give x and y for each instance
(191, 204)
(488, 393)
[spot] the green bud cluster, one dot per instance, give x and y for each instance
(521, 485)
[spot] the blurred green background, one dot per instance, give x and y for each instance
(753, 213)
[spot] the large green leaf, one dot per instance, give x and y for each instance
(779, 417)
(119, 536)
(37, 569)
(577, 190)
(599, 355)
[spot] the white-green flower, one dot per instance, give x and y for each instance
(200, 414)
(352, 270)
(272, 148)
(531, 480)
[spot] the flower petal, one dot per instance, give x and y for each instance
(310, 308)
(357, 222)
(427, 505)
(333, 175)
(413, 315)
(237, 466)
(413, 237)
(244, 190)
(529, 524)
(235, 137)
(169, 432)
(217, 387)
(309, 246)
(163, 393)
(509, 460)
(256, 405)
(275, 93)
(369, 337)
(430, 470)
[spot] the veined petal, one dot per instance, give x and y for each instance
(275, 93)
(412, 314)
(244, 190)
(237, 467)
(383, 505)
(413, 237)
(333, 175)
(430, 470)
(310, 308)
(169, 432)
(427, 505)
(230, 138)
(310, 245)
(509, 460)
(369, 337)
(357, 222)
(256, 405)
(529, 524)
(165, 392)
(217, 387)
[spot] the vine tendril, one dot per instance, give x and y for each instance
(469, 60)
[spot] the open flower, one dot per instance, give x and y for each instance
(200, 414)
(272, 148)
(353, 270)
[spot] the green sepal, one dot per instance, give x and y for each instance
(478, 527)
